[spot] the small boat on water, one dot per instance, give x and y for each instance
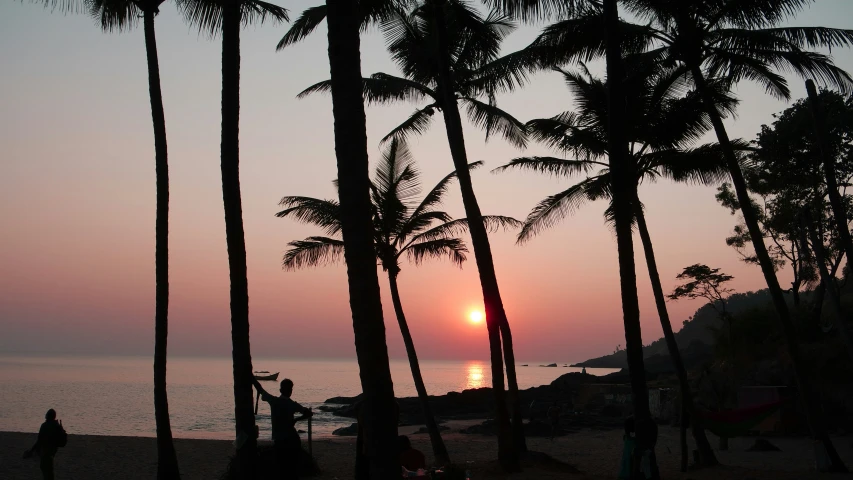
(271, 376)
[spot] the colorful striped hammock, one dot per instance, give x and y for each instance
(739, 422)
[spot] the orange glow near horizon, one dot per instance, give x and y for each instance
(475, 316)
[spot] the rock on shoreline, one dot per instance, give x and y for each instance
(479, 403)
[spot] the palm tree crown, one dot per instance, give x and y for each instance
(661, 127)
(474, 44)
(402, 225)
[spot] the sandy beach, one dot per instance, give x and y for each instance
(595, 454)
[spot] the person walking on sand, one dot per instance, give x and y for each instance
(288, 446)
(51, 436)
(554, 418)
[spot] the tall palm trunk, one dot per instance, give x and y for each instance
(751, 220)
(495, 315)
(623, 171)
(835, 200)
(378, 406)
(167, 460)
(705, 451)
(241, 355)
(438, 448)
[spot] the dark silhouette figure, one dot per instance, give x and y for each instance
(410, 458)
(288, 446)
(51, 436)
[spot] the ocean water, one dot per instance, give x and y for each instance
(114, 395)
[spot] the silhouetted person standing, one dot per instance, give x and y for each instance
(51, 437)
(410, 458)
(284, 435)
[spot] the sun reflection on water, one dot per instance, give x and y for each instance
(475, 378)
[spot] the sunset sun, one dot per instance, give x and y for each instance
(475, 316)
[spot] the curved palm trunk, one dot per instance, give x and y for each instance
(835, 200)
(241, 355)
(495, 315)
(705, 451)
(167, 460)
(624, 196)
(438, 448)
(806, 393)
(378, 405)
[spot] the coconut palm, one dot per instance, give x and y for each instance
(402, 227)
(227, 17)
(121, 15)
(661, 126)
(345, 20)
(475, 42)
(370, 12)
(625, 203)
(378, 404)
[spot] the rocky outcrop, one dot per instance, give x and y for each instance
(349, 431)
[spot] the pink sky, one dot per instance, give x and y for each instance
(77, 204)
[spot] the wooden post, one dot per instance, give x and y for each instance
(257, 400)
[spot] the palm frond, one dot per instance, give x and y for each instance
(559, 167)
(491, 118)
(257, 11)
(312, 252)
(504, 74)
(114, 15)
(809, 37)
(378, 88)
(303, 26)
(736, 67)
(452, 248)
(411, 227)
(455, 228)
(531, 10)
(436, 195)
(320, 87)
(553, 209)
(396, 174)
(479, 39)
(384, 88)
(568, 133)
(322, 213)
(207, 14)
(66, 6)
(416, 124)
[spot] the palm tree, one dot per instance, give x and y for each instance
(475, 42)
(624, 197)
(378, 405)
(401, 228)
(732, 39)
(227, 17)
(120, 15)
(661, 126)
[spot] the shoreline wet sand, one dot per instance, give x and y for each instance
(595, 454)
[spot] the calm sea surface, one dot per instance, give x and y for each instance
(114, 396)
